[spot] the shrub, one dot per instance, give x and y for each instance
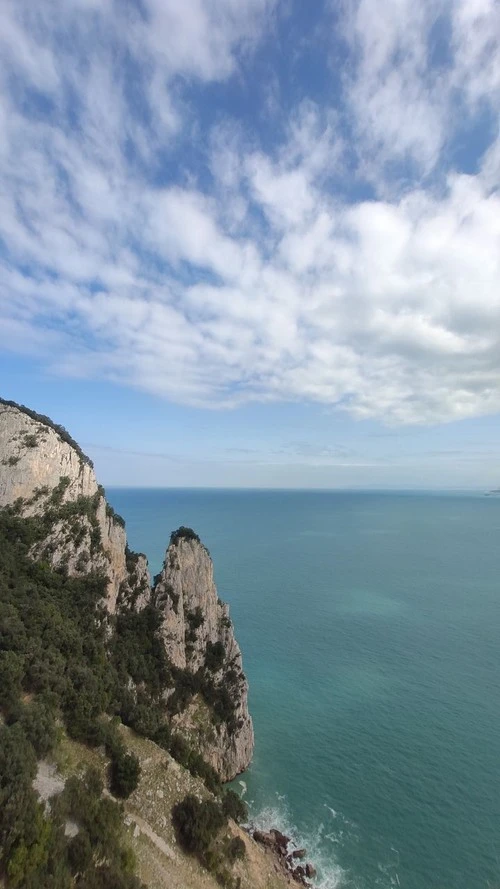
(38, 722)
(31, 441)
(194, 762)
(117, 518)
(234, 807)
(197, 824)
(79, 853)
(194, 620)
(214, 656)
(183, 533)
(235, 849)
(125, 774)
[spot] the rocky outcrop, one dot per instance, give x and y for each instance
(32, 457)
(199, 639)
(47, 476)
(278, 842)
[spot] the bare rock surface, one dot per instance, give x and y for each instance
(35, 462)
(45, 476)
(199, 636)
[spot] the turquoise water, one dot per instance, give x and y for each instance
(370, 629)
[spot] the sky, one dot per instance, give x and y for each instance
(255, 242)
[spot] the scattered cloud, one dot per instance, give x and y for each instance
(351, 260)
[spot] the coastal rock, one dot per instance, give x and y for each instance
(280, 839)
(199, 638)
(310, 871)
(299, 853)
(44, 473)
(44, 476)
(265, 839)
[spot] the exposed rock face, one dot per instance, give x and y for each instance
(199, 638)
(43, 472)
(32, 455)
(44, 475)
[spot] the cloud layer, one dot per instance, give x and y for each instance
(344, 251)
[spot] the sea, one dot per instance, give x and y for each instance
(370, 630)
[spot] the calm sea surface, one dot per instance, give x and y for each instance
(370, 631)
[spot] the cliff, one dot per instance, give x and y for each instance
(48, 476)
(44, 476)
(199, 636)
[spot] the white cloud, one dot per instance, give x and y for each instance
(421, 69)
(263, 282)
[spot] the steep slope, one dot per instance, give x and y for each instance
(46, 474)
(160, 860)
(199, 637)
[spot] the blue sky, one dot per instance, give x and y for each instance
(256, 242)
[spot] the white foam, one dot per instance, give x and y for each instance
(330, 874)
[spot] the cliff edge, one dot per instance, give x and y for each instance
(44, 476)
(44, 473)
(199, 637)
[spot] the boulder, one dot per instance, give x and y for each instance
(299, 853)
(280, 839)
(266, 839)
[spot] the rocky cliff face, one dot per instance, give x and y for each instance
(44, 475)
(199, 637)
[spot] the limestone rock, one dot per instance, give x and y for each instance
(45, 475)
(42, 472)
(199, 637)
(33, 456)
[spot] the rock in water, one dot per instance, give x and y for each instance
(199, 640)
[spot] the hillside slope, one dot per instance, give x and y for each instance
(45, 477)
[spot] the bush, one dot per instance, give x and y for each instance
(125, 774)
(194, 762)
(214, 656)
(235, 849)
(39, 724)
(234, 807)
(197, 824)
(183, 533)
(79, 853)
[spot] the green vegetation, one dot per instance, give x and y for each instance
(194, 620)
(167, 592)
(34, 851)
(199, 825)
(183, 533)
(221, 698)
(62, 657)
(64, 661)
(117, 518)
(214, 657)
(234, 807)
(57, 494)
(46, 421)
(11, 461)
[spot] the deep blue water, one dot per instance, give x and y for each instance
(370, 630)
